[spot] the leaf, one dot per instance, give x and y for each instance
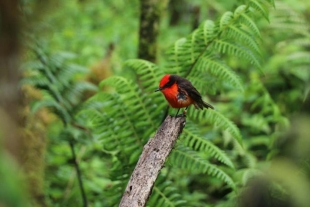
(225, 20)
(190, 160)
(218, 120)
(192, 139)
(220, 71)
(165, 194)
(260, 7)
(226, 46)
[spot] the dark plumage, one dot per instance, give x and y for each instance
(185, 87)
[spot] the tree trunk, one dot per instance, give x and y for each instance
(151, 161)
(149, 27)
(10, 101)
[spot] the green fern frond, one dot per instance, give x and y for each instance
(246, 20)
(179, 58)
(302, 42)
(148, 75)
(121, 129)
(118, 117)
(207, 85)
(107, 136)
(32, 66)
(207, 31)
(272, 3)
(68, 71)
(284, 18)
(191, 138)
(242, 34)
(41, 82)
(225, 20)
(37, 81)
(114, 190)
(164, 194)
(195, 44)
(141, 106)
(234, 33)
(260, 7)
(75, 91)
(300, 57)
(62, 56)
(218, 120)
(54, 106)
(57, 60)
(225, 46)
(147, 72)
(220, 71)
(190, 160)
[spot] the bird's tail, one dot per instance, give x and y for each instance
(202, 105)
(206, 105)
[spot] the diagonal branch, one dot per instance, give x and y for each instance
(152, 159)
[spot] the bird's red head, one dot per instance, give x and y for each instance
(164, 81)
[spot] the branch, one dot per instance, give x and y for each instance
(152, 159)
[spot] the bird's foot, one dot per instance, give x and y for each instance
(182, 115)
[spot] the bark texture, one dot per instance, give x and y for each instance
(152, 159)
(149, 27)
(10, 101)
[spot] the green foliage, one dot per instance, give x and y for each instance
(62, 93)
(191, 138)
(165, 194)
(190, 160)
(256, 75)
(12, 186)
(55, 78)
(127, 116)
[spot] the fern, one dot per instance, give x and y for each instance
(260, 7)
(126, 116)
(56, 78)
(191, 138)
(190, 160)
(238, 26)
(219, 120)
(164, 194)
(219, 70)
(229, 47)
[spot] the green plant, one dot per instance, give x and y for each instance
(63, 91)
(127, 116)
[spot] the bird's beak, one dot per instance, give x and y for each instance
(158, 89)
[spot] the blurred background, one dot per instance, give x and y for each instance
(76, 44)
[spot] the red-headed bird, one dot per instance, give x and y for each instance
(180, 93)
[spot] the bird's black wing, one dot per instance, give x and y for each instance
(186, 87)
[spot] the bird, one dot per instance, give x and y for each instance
(180, 93)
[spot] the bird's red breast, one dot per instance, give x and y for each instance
(171, 91)
(180, 92)
(171, 94)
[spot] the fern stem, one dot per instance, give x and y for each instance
(78, 173)
(196, 60)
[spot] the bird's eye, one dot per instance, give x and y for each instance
(170, 83)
